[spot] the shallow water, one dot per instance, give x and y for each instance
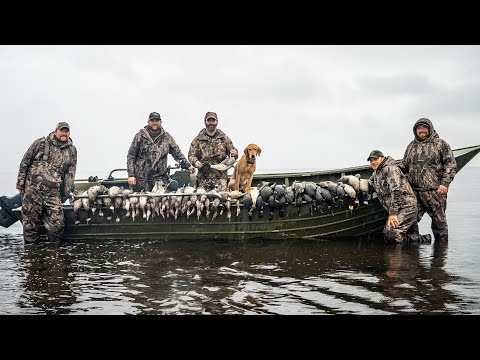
(250, 277)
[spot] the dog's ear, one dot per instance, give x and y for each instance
(246, 151)
(259, 151)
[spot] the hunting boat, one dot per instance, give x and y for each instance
(303, 221)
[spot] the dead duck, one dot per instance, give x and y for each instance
(272, 205)
(259, 204)
(92, 193)
(363, 189)
(215, 205)
(352, 194)
(332, 187)
(299, 189)
(340, 190)
(77, 205)
(126, 201)
(319, 199)
(351, 180)
(184, 202)
(328, 197)
(309, 200)
(266, 190)
(289, 197)
(225, 164)
(86, 205)
(280, 200)
(254, 194)
(134, 204)
(235, 197)
(201, 199)
(176, 202)
(247, 202)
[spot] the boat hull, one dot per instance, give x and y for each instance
(299, 222)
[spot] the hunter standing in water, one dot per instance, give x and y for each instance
(46, 174)
(431, 167)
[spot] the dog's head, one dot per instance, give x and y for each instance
(251, 152)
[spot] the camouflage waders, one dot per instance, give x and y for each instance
(430, 163)
(46, 170)
(42, 206)
(435, 205)
(397, 197)
(405, 230)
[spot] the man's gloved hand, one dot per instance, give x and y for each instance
(71, 197)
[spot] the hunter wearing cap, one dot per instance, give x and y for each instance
(210, 147)
(397, 197)
(147, 156)
(46, 174)
(431, 167)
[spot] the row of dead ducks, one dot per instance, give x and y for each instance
(322, 196)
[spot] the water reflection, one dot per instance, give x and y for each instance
(414, 287)
(227, 277)
(47, 282)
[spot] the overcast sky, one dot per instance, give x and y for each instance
(307, 107)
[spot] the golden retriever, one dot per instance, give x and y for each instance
(242, 176)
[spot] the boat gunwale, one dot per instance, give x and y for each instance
(262, 228)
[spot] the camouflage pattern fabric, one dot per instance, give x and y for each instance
(147, 157)
(397, 197)
(435, 205)
(147, 185)
(430, 163)
(212, 184)
(212, 150)
(407, 229)
(43, 181)
(42, 205)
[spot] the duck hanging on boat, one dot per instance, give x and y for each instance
(307, 214)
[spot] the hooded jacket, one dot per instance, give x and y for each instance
(429, 162)
(55, 171)
(392, 188)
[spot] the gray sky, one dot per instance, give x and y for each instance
(307, 107)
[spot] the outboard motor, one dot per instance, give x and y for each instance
(7, 204)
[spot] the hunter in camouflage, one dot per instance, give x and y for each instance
(211, 147)
(147, 156)
(45, 178)
(431, 167)
(397, 197)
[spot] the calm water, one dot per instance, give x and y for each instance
(254, 277)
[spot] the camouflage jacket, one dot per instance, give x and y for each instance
(429, 163)
(57, 171)
(392, 188)
(214, 150)
(147, 157)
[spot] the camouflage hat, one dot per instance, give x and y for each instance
(423, 121)
(62, 125)
(375, 154)
(212, 115)
(154, 115)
